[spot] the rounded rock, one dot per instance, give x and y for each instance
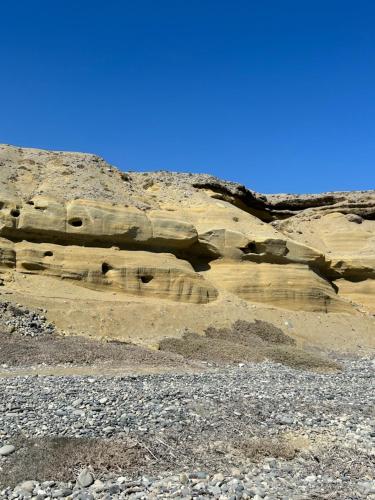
(6, 450)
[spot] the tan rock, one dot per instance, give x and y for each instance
(361, 292)
(171, 233)
(7, 255)
(292, 286)
(140, 273)
(86, 221)
(349, 245)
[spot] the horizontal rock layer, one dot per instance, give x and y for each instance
(84, 222)
(161, 276)
(292, 286)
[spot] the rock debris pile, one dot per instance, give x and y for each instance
(16, 318)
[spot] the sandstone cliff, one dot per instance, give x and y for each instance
(143, 255)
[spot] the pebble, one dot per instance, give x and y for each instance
(7, 450)
(85, 478)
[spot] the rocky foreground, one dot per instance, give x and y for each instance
(250, 431)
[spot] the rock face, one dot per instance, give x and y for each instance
(359, 203)
(292, 286)
(348, 241)
(144, 274)
(185, 238)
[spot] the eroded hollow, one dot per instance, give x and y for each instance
(48, 253)
(33, 266)
(76, 222)
(250, 248)
(15, 212)
(106, 267)
(146, 278)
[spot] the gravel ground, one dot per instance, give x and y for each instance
(253, 431)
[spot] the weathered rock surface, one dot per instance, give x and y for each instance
(348, 242)
(292, 286)
(88, 222)
(188, 238)
(361, 292)
(137, 273)
(361, 203)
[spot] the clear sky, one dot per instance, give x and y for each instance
(276, 94)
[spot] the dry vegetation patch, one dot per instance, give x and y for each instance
(53, 349)
(246, 342)
(256, 449)
(61, 458)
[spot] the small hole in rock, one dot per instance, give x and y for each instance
(146, 279)
(250, 248)
(15, 212)
(76, 222)
(106, 267)
(48, 254)
(30, 202)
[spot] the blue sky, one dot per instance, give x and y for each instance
(278, 95)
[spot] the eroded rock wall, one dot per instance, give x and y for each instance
(182, 237)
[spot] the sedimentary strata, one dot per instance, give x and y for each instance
(183, 237)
